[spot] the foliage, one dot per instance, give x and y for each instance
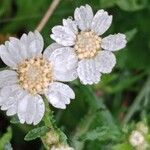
(95, 119)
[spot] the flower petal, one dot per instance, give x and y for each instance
(6, 57)
(63, 35)
(114, 42)
(101, 22)
(64, 61)
(50, 49)
(9, 97)
(35, 44)
(83, 16)
(69, 23)
(105, 61)
(40, 109)
(31, 109)
(59, 94)
(15, 50)
(88, 71)
(7, 77)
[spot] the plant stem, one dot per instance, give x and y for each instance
(136, 104)
(47, 15)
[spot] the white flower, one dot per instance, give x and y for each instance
(62, 147)
(142, 127)
(83, 36)
(31, 75)
(136, 138)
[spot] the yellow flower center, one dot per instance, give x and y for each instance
(87, 44)
(35, 75)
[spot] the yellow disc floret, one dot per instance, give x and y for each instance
(87, 44)
(35, 75)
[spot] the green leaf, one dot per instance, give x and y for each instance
(100, 133)
(14, 120)
(36, 133)
(5, 139)
(130, 34)
(132, 5)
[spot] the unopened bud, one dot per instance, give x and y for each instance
(51, 138)
(62, 147)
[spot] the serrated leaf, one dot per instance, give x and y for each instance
(100, 133)
(5, 138)
(36, 133)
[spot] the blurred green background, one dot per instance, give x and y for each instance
(122, 97)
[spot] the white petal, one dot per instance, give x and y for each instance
(105, 61)
(83, 16)
(114, 42)
(65, 76)
(59, 94)
(63, 35)
(35, 44)
(31, 109)
(88, 71)
(7, 77)
(50, 49)
(40, 110)
(9, 97)
(69, 23)
(32, 44)
(20, 48)
(55, 98)
(22, 108)
(101, 22)
(6, 57)
(64, 61)
(15, 50)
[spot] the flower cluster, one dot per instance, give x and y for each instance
(79, 51)
(137, 138)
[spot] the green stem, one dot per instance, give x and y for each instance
(136, 104)
(48, 114)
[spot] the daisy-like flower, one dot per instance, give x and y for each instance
(84, 36)
(32, 74)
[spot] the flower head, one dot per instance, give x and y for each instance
(32, 74)
(136, 138)
(62, 147)
(142, 127)
(83, 36)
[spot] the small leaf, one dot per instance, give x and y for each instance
(36, 133)
(14, 120)
(100, 133)
(130, 34)
(5, 139)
